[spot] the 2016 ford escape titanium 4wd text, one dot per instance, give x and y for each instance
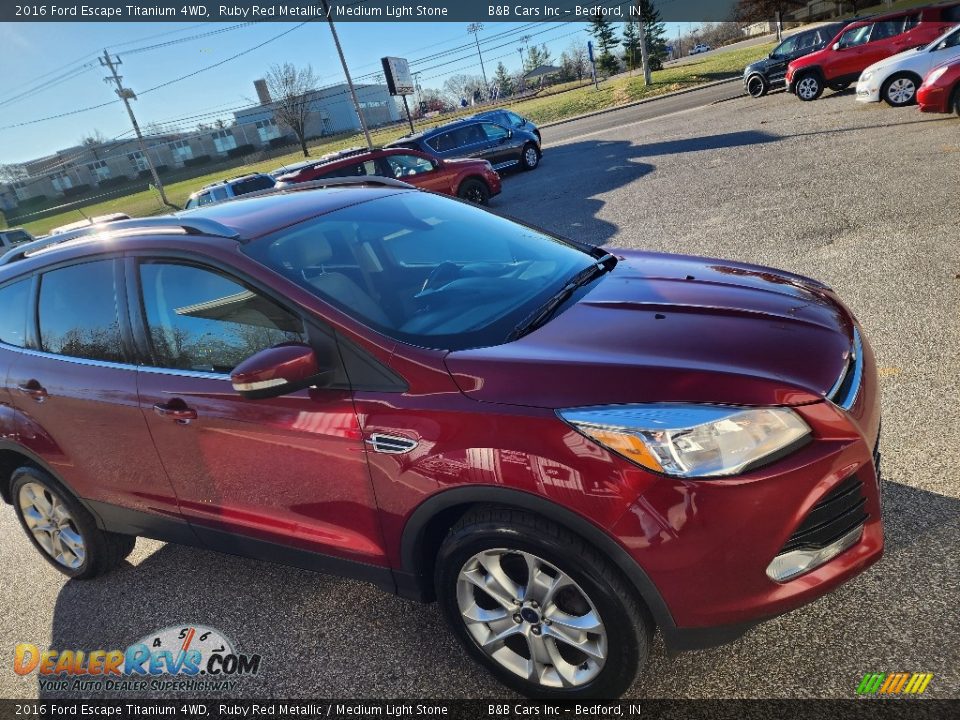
(568, 447)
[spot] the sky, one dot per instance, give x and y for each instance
(52, 68)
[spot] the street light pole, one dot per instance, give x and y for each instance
(346, 72)
(474, 29)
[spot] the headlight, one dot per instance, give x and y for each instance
(866, 75)
(691, 440)
(935, 75)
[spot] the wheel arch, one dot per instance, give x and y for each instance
(430, 521)
(13, 456)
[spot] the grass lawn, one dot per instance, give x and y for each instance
(556, 106)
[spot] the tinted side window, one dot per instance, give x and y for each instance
(13, 312)
(15, 237)
(886, 29)
(443, 142)
(260, 182)
(494, 132)
(78, 312)
(469, 135)
(219, 194)
(857, 36)
(201, 320)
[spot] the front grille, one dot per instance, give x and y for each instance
(840, 511)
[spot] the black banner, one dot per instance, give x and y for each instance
(865, 709)
(492, 11)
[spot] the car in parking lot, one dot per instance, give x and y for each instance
(940, 91)
(509, 119)
(477, 138)
(760, 77)
(466, 178)
(864, 43)
(700, 48)
(14, 236)
(229, 189)
(390, 385)
(897, 79)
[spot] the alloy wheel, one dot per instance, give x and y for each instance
(901, 91)
(49, 521)
(755, 86)
(531, 618)
(808, 88)
(530, 157)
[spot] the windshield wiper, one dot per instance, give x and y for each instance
(543, 313)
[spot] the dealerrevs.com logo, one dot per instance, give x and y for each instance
(902, 683)
(180, 658)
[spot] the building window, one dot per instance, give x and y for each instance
(99, 170)
(181, 151)
(224, 140)
(137, 161)
(61, 181)
(20, 190)
(267, 130)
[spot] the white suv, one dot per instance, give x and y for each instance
(896, 79)
(229, 189)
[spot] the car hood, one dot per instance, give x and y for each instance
(758, 66)
(668, 328)
(901, 61)
(811, 59)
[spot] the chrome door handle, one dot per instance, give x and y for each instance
(34, 390)
(178, 411)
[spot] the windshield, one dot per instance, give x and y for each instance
(425, 270)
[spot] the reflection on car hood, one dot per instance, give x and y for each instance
(667, 328)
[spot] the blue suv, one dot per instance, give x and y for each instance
(476, 137)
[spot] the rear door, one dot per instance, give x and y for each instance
(282, 478)
(76, 387)
(415, 169)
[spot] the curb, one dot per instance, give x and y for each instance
(595, 113)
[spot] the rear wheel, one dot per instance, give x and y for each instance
(809, 87)
(900, 90)
(530, 157)
(475, 191)
(541, 609)
(62, 529)
(757, 86)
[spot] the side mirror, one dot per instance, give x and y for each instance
(437, 163)
(279, 370)
(836, 46)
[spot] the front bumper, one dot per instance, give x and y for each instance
(867, 92)
(706, 545)
(932, 99)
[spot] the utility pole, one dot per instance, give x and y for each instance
(126, 94)
(346, 72)
(474, 29)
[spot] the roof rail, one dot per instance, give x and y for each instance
(166, 223)
(336, 182)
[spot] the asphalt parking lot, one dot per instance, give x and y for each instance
(863, 198)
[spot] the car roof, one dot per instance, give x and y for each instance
(227, 181)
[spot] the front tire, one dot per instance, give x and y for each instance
(809, 87)
(530, 156)
(62, 530)
(900, 90)
(475, 191)
(757, 86)
(541, 609)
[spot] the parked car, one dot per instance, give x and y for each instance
(14, 236)
(473, 180)
(229, 189)
(700, 48)
(762, 76)
(394, 386)
(865, 42)
(509, 119)
(477, 138)
(896, 79)
(940, 91)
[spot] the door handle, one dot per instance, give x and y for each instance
(34, 390)
(176, 410)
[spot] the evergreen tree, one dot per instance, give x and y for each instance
(502, 81)
(536, 56)
(631, 45)
(655, 31)
(602, 30)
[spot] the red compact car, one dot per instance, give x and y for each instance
(940, 91)
(568, 447)
(861, 44)
(469, 179)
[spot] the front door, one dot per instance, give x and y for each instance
(283, 479)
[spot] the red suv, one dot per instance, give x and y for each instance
(568, 447)
(470, 179)
(865, 42)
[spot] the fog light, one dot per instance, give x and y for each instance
(796, 562)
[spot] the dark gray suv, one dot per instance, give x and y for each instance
(761, 76)
(478, 138)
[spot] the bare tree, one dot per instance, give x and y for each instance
(290, 88)
(462, 88)
(93, 142)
